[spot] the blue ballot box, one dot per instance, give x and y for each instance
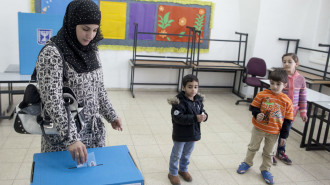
(115, 165)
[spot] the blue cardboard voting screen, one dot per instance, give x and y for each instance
(34, 29)
(115, 166)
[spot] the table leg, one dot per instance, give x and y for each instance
(2, 114)
(327, 130)
(178, 86)
(303, 138)
(0, 103)
(10, 96)
(311, 132)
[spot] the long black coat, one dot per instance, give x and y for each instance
(185, 125)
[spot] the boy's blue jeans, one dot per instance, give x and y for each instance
(282, 148)
(181, 152)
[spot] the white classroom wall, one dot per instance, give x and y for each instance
(264, 20)
(307, 20)
(249, 16)
(9, 31)
(285, 19)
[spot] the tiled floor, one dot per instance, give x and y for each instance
(147, 133)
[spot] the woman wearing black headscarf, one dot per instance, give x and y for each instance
(77, 40)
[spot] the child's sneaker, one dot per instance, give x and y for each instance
(267, 177)
(274, 161)
(242, 168)
(283, 157)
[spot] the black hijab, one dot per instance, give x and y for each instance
(82, 58)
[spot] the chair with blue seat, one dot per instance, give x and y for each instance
(253, 73)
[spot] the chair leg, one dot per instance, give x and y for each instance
(255, 92)
(249, 100)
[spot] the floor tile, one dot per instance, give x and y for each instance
(122, 139)
(280, 176)
(296, 173)
(230, 137)
(305, 157)
(201, 149)
(159, 178)
(230, 160)
(240, 147)
(2, 140)
(139, 129)
(21, 182)
(220, 148)
(285, 183)
(24, 171)
(29, 154)
(6, 182)
(219, 128)
(17, 142)
(161, 129)
(218, 177)
(209, 138)
(166, 149)
(206, 162)
(147, 151)
(163, 139)
(154, 165)
(8, 171)
(143, 139)
(5, 130)
(309, 183)
(36, 142)
(12, 155)
(319, 171)
(325, 182)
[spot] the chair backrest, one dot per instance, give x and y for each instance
(256, 67)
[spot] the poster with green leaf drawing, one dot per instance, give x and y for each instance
(175, 19)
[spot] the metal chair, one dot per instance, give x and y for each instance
(256, 67)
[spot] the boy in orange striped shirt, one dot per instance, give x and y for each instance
(272, 115)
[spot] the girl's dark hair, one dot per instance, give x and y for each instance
(279, 75)
(292, 55)
(189, 78)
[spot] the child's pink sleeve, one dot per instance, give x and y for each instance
(303, 98)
